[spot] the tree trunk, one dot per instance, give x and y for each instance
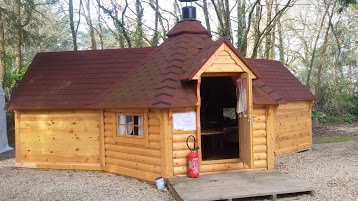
(72, 25)
(2, 50)
(257, 31)
(280, 38)
(139, 26)
(206, 15)
(313, 57)
(240, 23)
(17, 37)
(90, 26)
(268, 45)
(325, 44)
(100, 31)
(227, 20)
(243, 48)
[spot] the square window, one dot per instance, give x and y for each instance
(130, 125)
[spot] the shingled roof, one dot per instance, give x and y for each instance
(156, 83)
(77, 79)
(142, 77)
(275, 75)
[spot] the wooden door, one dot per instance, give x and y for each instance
(245, 123)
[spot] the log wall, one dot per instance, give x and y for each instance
(293, 127)
(180, 149)
(260, 137)
(58, 139)
(140, 161)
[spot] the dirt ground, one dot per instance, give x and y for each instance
(325, 130)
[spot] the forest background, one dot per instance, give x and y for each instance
(316, 40)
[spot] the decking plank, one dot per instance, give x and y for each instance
(243, 184)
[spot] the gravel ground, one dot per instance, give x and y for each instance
(331, 168)
(36, 184)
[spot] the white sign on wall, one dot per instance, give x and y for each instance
(184, 121)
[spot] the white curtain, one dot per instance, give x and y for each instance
(122, 128)
(129, 123)
(4, 146)
(140, 125)
(241, 100)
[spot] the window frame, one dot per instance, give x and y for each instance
(142, 140)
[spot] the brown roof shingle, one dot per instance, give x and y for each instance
(60, 80)
(156, 83)
(281, 80)
(142, 77)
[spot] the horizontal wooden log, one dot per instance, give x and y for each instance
(259, 112)
(294, 149)
(154, 130)
(133, 165)
(154, 145)
(53, 156)
(180, 162)
(148, 176)
(299, 113)
(180, 154)
(292, 136)
(262, 164)
(291, 143)
(221, 167)
(153, 115)
(154, 138)
(181, 146)
(259, 126)
(294, 105)
(133, 150)
(259, 133)
(282, 129)
(133, 158)
(58, 113)
(59, 125)
(154, 122)
(60, 166)
(62, 118)
(181, 137)
(295, 119)
(260, 156)
(182, 170)
(259, 118)
(178, 132)
(260, 149)
(259, 141)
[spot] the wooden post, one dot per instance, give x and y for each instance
(310, 124)
(270, 137)
(101, 140)
(17, 136)
(198, 120)
(166, 145)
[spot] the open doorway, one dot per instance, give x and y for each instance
(219, 120)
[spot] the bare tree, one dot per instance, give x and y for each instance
(87, 14)
(259, 33)
(2, 49)
(72, 23)
(119, 21)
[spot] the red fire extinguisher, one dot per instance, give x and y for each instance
(193, 160)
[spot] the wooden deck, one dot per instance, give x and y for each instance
(231, 185)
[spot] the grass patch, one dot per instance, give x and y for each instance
(331, 139)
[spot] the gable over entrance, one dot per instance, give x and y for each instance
(224, 60)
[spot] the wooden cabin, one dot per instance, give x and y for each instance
(130, 111)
